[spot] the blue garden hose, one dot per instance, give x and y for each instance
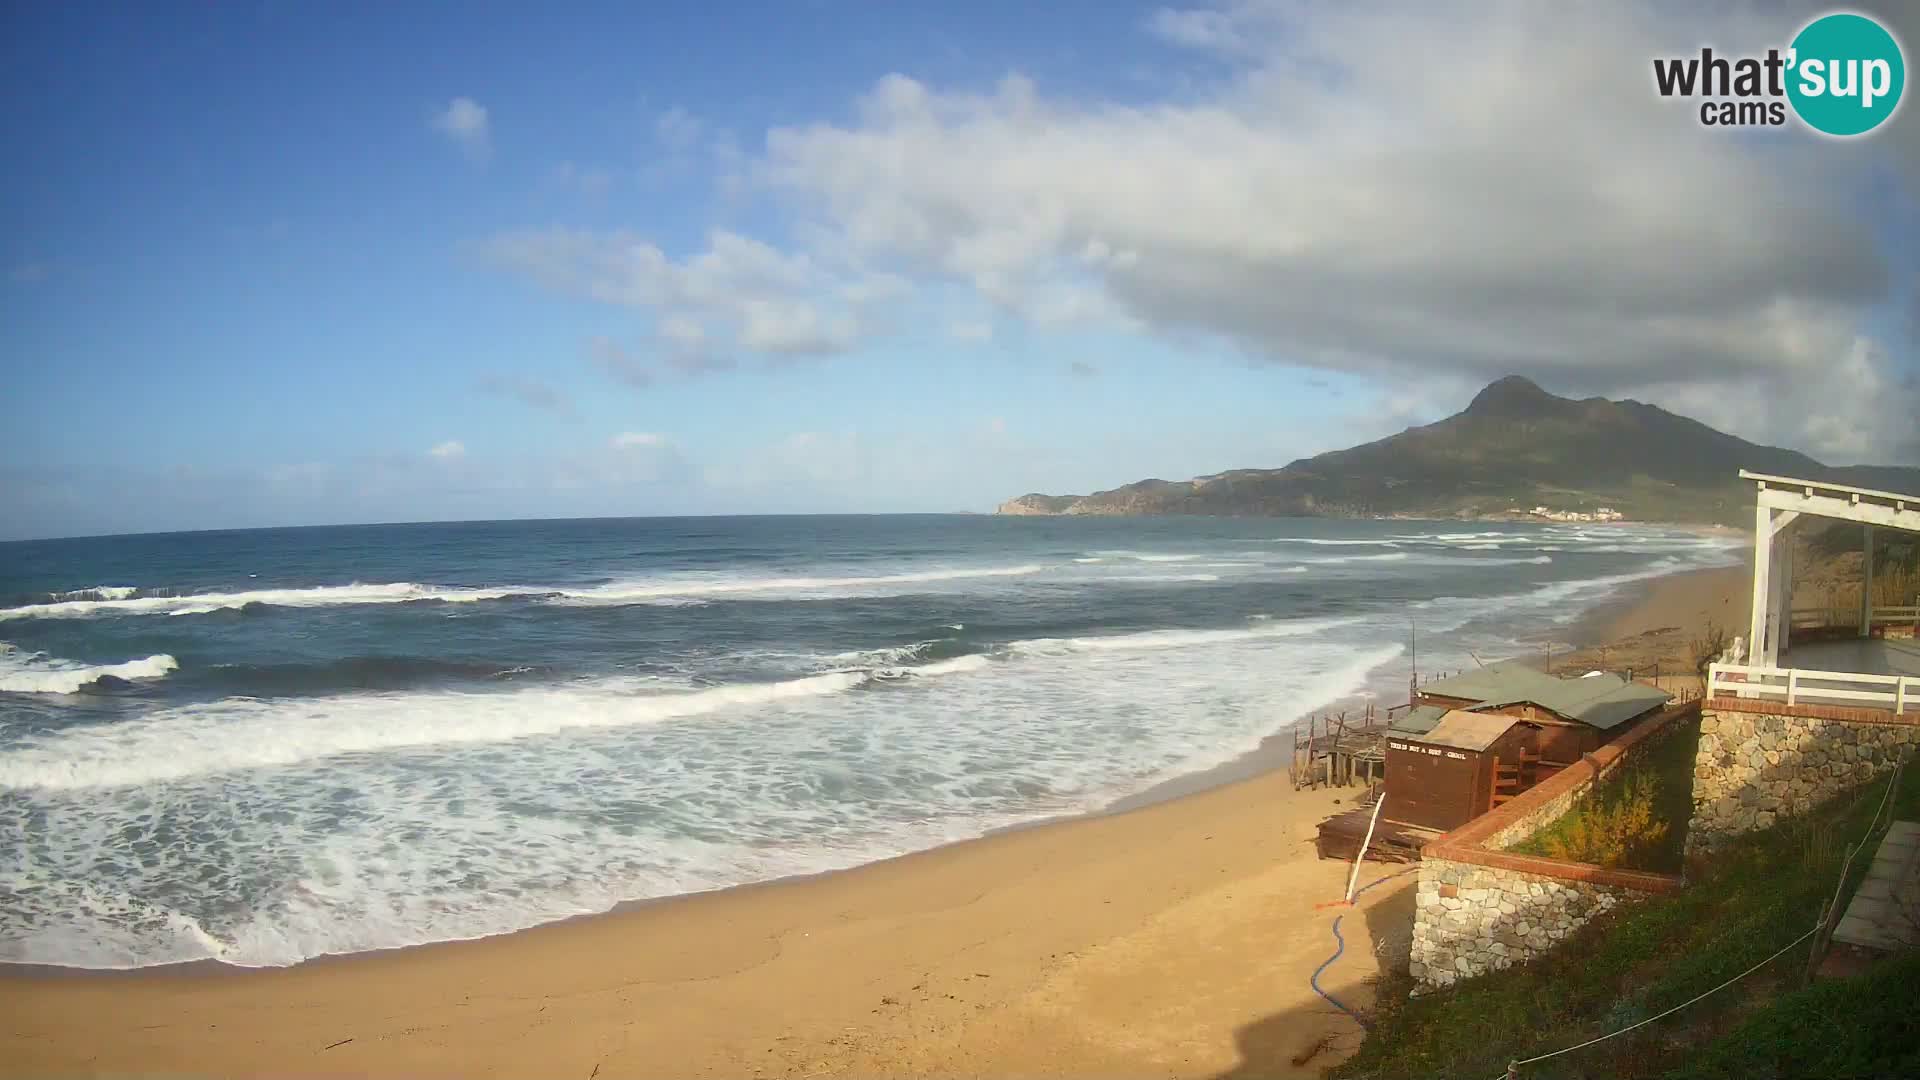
(1340, 948)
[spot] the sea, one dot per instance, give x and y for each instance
(265, 746)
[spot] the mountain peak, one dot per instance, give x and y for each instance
(1515, 395)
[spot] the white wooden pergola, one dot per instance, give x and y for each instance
(1784, 500)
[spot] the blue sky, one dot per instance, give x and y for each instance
(282, 264)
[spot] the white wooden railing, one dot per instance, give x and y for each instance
(1814, 618)
(1795, 685)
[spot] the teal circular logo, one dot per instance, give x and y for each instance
(1845, 74)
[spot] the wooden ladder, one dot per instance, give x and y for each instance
(1511, 780)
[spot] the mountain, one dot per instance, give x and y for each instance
(1515, 446)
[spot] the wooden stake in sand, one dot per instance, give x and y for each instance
(1354, 878)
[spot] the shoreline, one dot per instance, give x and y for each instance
(937, 962)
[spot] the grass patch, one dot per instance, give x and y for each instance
(1843, 1028)
(1657, 788)
(1746, 902)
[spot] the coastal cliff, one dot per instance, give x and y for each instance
(1515, 447)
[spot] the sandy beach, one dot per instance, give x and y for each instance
(1174, 939)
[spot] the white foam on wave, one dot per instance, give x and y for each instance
(336, 856)
(668, 588)
(397, 592)
(1168, 578)
(37, 673)
(247, 733)
(670, 591)
(1391, 556)
(1147, 556)
(98, 592)
(887, 655)
(1262, 628)
(953, 666)
(1330, 542)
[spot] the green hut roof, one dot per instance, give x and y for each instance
(1418, 721)
(1602, 701)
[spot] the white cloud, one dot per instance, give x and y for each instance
(738, 294)
(464, 121)
(971, 330)
(630, 440)
(1433, 195)
(1450, 188)
(451, 450)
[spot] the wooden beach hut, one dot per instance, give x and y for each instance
(1447, 775)
(1472, 741)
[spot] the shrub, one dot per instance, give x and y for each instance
(1616, 828)
(1709, 647)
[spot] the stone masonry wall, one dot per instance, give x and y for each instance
(1471, 919)
(1479, 908)
(1758, 763)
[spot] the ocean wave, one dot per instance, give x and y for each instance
(244, 733)
(1391, 556)
(96, 592)
(38, 673)
(951, 666)
(655, 591)
(347, 673)
(666, 588)
(397, 592)
(1174, 639)
(1145, 556)
(1327, 542)
(347, 856)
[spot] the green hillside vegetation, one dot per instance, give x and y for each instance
(1515, 446)
(1743, 904)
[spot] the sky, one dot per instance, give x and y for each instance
(282, 264)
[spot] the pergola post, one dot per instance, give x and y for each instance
(1866, 586)
(1762, 557)
(1783, 605)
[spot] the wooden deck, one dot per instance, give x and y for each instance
(1341, 835)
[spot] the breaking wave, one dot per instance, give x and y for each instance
(38, 673)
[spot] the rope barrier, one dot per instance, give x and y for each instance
(1603, 1038)
(1886, 797)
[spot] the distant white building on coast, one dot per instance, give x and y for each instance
(1604, 513)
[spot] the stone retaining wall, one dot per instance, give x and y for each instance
(1760, 761)
(1479, 908)
(1473, 919)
